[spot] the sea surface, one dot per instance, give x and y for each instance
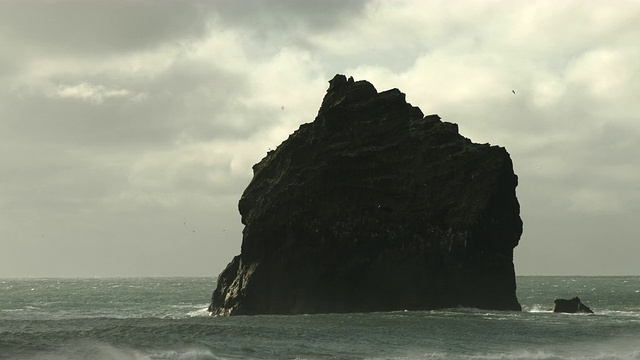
(166, 318)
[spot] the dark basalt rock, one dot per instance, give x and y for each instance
(375, 207)
(571, 306)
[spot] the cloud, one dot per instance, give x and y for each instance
(284, 18)
(116, 111)
(95, 93)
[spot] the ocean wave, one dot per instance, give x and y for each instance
(94, 350)
(104, 351)
(630, 313)
(621, 313)
(516, 355)
(89, 350)
(190, 354)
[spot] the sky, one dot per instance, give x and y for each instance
(128, 129)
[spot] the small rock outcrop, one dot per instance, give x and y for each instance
(571, 306)
(375, 207)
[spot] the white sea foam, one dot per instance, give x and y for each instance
(538, 309)
(203, 311)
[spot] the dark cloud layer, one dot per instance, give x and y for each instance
(100, 28)
(287, 16)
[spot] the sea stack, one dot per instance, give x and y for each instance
(375, 207)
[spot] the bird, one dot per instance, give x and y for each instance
(513, 91)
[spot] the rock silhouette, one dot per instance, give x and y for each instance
(571, 306)
(374, 207)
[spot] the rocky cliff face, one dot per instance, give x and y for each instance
(375, 207)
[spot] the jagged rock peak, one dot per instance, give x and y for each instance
(347, 100)
(343, 91)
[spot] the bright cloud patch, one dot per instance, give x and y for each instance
(95, 93)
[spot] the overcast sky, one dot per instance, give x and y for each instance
(128, 128)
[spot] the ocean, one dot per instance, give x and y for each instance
(166, 318)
